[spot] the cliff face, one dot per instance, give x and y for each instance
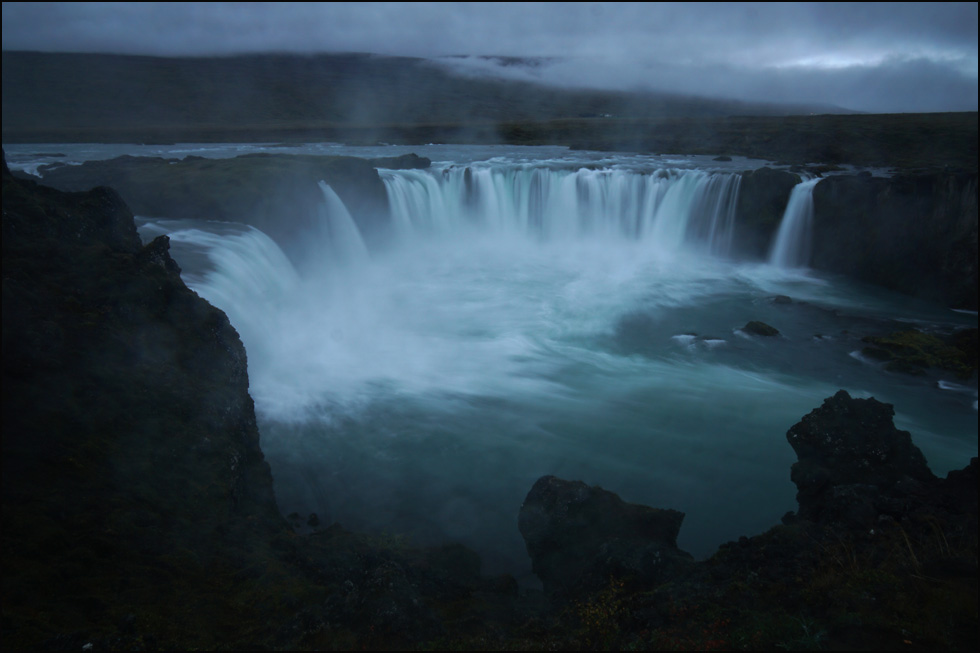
(762, 198)
(138, 510)
(912, 233)
(131, 459)
(916, 234)
(254, 189)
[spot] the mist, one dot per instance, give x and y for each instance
(858, 56)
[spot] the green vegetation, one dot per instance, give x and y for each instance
(913, 351)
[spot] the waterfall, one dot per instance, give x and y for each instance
(340, 234)
(527, 317)
(791, 249)
(666, 209)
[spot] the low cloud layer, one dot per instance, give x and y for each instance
(868, 57)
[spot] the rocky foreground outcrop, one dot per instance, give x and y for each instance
(130, 448)
(880, 555)
(138, 510)
(580, 536)
(854, 465)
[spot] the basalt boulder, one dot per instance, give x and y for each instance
(579, 537)
(854, 466)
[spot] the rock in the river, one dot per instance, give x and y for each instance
(757, 328)
(912, 351)
(580, 536)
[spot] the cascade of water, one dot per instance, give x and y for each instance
(341, 236)
(718, 206)
(668, 208)
(516, 325)
(791, 249)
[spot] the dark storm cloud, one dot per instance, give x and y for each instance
(873, 57)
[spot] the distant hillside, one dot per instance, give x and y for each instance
(109, 97)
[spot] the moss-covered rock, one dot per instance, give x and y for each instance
(913, 351)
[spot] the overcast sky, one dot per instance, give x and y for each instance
(868, 57)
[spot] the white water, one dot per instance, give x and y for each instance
(791, 248)
(339, 239)
(544, 317)
(658, 212)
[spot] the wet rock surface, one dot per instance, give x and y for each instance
(757, 328)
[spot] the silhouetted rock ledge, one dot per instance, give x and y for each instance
(854, 465)
(578, 536)
(880, 549)
(138, 510)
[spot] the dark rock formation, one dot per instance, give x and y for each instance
(762, 199)
(916, 234)
(409, 161)
(580, 536)
(854, 465)
(881, 555)
(757, 328)
(129, 437)
(85, 303)
(138, 510)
